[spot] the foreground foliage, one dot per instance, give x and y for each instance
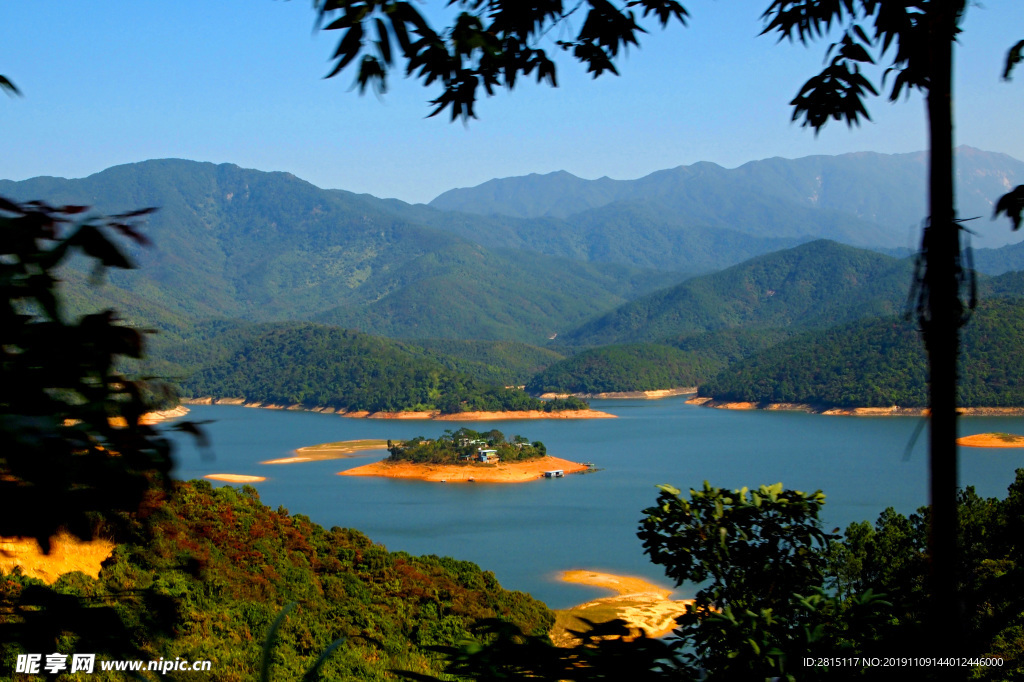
(221, 566)
(772, 589)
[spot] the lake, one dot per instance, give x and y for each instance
(527, 533)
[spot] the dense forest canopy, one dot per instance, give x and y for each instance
(632, 367)
(880, 363)
(321, 366)
(466, 447)
(221, 565)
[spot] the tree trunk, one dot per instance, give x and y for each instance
(944, 311)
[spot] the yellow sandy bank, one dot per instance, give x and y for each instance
(505, 472)
(235, 478)
(435, 415)
(67, 554)
(992, 440)
(643, 605)
(891, 411)
(627, 395)
(325, 451)
(485, 416)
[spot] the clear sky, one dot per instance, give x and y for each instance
(241, 81)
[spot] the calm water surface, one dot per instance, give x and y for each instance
(527, 533)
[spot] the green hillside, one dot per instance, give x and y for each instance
(221, 566)
(634, 367)
(815, 284)
(469, 292)
(506, 363)
(624, 232)
(320, 366)
(881, 362)
(235, 243)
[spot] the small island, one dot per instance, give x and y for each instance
(992, 440)
(469, 456)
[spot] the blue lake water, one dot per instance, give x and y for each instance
(527, 533)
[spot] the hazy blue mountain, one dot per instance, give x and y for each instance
(864, 199)
(237, 243)
(816, 284)
(627, 233)
(998, 261)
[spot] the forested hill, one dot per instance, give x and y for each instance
(880, 363)
(221, 566)
(864, 199)
(321, 366)
(236, 243)
(631, 367)
(815, 284)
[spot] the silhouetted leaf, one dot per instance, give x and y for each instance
(8, 86)
(1013, 57)
(1011, 204)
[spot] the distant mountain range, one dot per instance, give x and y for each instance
(236, 243)
(538, 260)
(864, 199)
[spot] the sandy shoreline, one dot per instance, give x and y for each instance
(326, 451)
(992, 440)
(893, 411)
(235, 478)
(642, 604)
(505, 472)
(433, 415)
(626, 395)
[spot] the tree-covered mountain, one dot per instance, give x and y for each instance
(320, 366)
(881, 362)
(815, 284)
(237, 243)
(631, 367)
(864, 199)
(469, 292)
(506, 363)
(626, 233)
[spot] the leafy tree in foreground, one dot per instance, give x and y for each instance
(761, 559)
(74, 456)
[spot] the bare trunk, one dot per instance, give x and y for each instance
(942, 335)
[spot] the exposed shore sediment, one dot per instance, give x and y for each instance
(892, 411)
(503, 472)
(425, 415)
(643, 605)
(626, 395)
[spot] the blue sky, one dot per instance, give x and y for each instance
(241, 81)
